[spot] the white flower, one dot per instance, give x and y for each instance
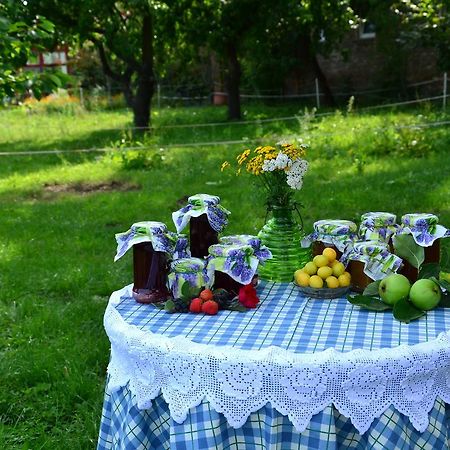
(282, 161)
(294, 182)
(298, 167)
(269, 165)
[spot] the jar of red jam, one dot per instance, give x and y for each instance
(206, 218)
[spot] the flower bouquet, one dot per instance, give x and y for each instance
(280, 170)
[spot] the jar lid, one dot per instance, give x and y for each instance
(419, 219)
(241, 239)
(210, 200)
(369, 248)
(150, 227)
(198, 205)
(161, 239)
(335, 227)
(224, 250)
(378, 219)
(188, 265)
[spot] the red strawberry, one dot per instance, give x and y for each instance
(206, 295)
(210, 307)
(196, 305)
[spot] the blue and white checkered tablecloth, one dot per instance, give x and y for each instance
(286, 319)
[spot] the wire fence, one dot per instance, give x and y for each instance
(212, 144)
(66, 130)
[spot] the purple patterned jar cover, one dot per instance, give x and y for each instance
(377, 226)
(202, 204)
(187, 270)
(378, 261)
(424, 228)
(181, 247)
(334, 232)
(237, 261)
(260, 251)
(161, 239)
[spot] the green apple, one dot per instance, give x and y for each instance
(393, 288)
(425, 294)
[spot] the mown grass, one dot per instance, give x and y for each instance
(56, 249)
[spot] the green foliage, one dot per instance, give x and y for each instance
(406, 247)
(368, 302)
(405, 311)
(426, 22)
(17, 40)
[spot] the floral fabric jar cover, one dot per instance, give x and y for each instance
(377, 226)
(333, 232)
(202, 204)
(156, 233)
(424, 228)
(378, 261)
(238, 261)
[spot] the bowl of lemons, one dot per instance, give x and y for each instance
(323, 277)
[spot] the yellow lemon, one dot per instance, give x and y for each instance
(347, 274)
(320, 260)
(324, 272)
(330, 253)
(310, 268)
(315, 281)
(338, 269)
(301, 278)
(344, 280)
(332, 282)
(333, 263)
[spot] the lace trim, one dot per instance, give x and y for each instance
(361, 384)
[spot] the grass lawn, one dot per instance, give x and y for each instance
(59, 214)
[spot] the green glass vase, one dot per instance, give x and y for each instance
(282, 235)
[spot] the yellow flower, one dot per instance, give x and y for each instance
(225, 164)
(243, 156)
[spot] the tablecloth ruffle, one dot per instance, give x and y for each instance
(361, 384)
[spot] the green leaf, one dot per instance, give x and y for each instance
(368, 302)
(236, 306)
(372, 289)
(188, 292)
(54, 79)
(405, 311)
(429, 270)
(406, 247)
(169, 306)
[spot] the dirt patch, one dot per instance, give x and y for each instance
(52, 189)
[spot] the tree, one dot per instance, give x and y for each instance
(295, 32)
(124, 34)
(426, 22)
(17, 41)
(223, 26)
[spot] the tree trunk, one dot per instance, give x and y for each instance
(145, 78)
(308, 63)
(329, 99)
(232, 81)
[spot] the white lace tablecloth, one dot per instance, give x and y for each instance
(298, 354)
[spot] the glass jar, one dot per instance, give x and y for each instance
(232, 266)
(369, 261)
(153, 247)
(187, 270)
(377, 226)
(206, 218)
(336, 234)
(427, 233)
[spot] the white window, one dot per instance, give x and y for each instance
(367, 30)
